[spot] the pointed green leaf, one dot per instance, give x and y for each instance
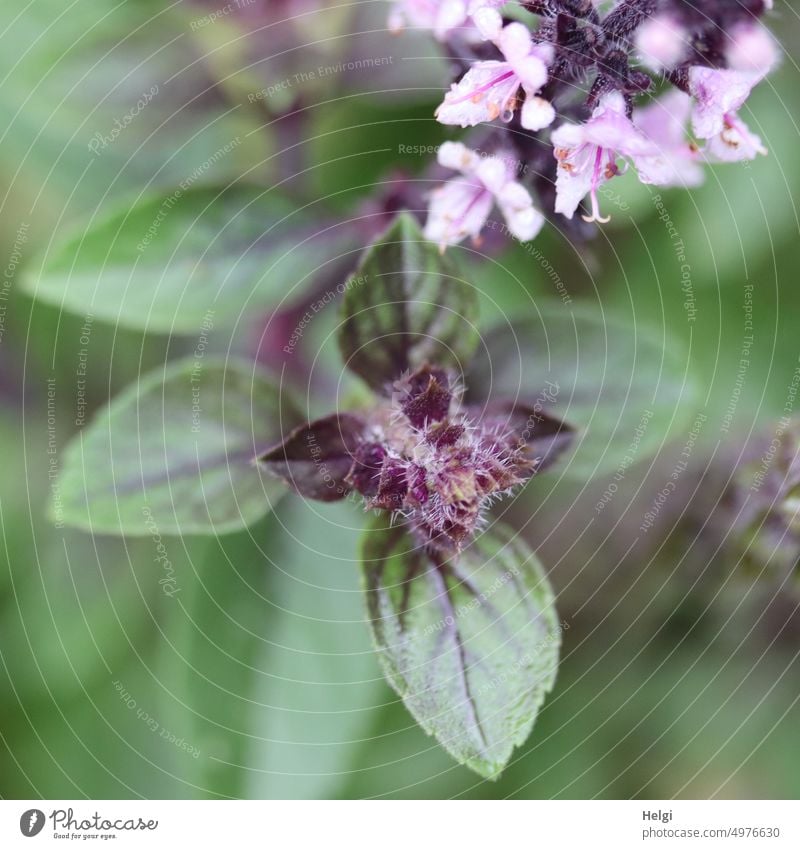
(176, 453)
(471, 645)
(166, 262)
(406, 304)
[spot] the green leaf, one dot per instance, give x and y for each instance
(176, 454)
(79, 606)
(319, 688)
(166, 263)
(471, 645)
(269, 670)
(406, 305)
(625, 389)
(215, 627)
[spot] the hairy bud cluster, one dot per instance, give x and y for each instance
(423, 455)
(426, 459)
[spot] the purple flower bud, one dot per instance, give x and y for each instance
(422, 455)
(393, 485)
(365, 473)
(441, 465)
(425, 396)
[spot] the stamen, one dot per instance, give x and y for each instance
(595, 216)
(477, 92)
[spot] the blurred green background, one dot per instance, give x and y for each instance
(679, 674)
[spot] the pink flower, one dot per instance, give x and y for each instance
(735, 143)
(665, 123)
(587, 154)
(719, 94)
(440, 16)
(480, 18)
(661, 42)
(461, 206)
(490, 89)
(751, 48)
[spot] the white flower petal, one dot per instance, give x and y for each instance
(457, 209)
(489, 22)
(736, 143)
(493, 172)
(537, 113)
(717, 93)
(531, 71)
(523, 219)
(484, 93)
(572, 186)
(457, 156)
(515, 41)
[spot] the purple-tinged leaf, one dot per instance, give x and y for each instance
(470, 644)
(406, 305)
(316, 457)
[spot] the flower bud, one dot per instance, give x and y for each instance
(765, 499)
(751, 48)
(662, 42)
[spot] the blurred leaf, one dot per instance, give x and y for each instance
(72, 71)
(319, 684)
(471, 645)
(175, 453)
(406, 304)
(218, 617)
(267, 666)
(166, 263)
(625, 389)
(76, 609)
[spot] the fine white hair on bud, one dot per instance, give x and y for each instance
(434, 463)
